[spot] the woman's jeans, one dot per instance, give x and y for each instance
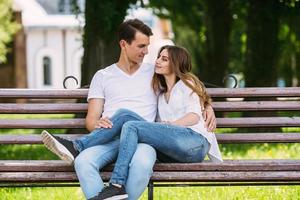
(178, 143)
(104, 135)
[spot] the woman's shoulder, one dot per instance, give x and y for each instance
(184, 87)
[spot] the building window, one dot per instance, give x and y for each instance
(47, 65)
(61, 6)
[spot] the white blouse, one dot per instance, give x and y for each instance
(181, 102)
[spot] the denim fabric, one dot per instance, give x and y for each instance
(89, 161)
(179, 143)
(104, 135)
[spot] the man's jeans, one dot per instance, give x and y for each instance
(104, 135)
(89, 161)
(179, 143)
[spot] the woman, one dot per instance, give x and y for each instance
(180, 135)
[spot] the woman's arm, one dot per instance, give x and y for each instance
(209, 118)
(189, 119)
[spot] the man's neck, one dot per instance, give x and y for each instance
(127, 66)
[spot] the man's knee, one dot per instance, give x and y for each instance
(82, 164)
(144, 158)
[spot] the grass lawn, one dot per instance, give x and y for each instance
(242, 151)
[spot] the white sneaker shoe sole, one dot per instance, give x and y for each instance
(53, 145)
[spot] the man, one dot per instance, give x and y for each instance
(125, 84)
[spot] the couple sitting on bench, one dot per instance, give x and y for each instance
(178, 135)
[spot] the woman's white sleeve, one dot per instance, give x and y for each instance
(193, 104)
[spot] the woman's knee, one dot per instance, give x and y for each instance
(125, 112)
(132, 124)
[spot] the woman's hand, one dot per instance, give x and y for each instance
(209, 118)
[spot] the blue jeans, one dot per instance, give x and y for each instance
(88, 163)
(178, 143)
(104, 135)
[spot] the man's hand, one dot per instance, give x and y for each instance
(103, 122)
(209, 118)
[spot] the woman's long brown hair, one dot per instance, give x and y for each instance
(180, 62)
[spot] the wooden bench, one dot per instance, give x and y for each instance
(226, 101)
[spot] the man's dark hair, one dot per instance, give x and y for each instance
(129, 27)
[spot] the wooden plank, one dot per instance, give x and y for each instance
(221, 122)
(30, 139)
(44, 93)
(214, 92)
(239, 138)
(42, 123)
(227, 165)
(11, 108)
(256, 106)
(255, 92)
(228, 138)
(258, 122)
(255, 176)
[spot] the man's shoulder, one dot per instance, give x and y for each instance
(105, 70)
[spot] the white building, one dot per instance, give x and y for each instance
(54, 40)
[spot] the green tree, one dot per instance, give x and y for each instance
(7, 27)
(102, 19)
(262, 43)
(203, 27)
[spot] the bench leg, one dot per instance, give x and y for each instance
(150, 190)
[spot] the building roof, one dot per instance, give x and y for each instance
(34, 16)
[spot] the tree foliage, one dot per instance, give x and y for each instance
(7, 27)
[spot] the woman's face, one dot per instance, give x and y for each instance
(162, 63)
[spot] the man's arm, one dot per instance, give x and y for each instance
(209, 118)
(93, 120)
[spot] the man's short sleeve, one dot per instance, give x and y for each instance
(96, 87)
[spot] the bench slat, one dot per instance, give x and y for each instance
(227, 165)
(11, 108)
(214, 92)
(228, 138)
(42, 123)
(14, 108)
(254, 92)
(256, 176)
(256, 106)
(258, 122)
(43, 94)
(221, 122)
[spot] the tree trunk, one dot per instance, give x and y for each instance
(101, 48)
(262, 43)
(262, 52)
(218, 22)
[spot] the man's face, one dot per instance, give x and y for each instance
(138, 48)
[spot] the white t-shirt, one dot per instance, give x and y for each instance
(120, 90)
(181, 102)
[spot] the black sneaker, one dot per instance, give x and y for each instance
(60, 146)
(111, 192)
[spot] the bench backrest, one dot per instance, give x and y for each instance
(274, 108)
